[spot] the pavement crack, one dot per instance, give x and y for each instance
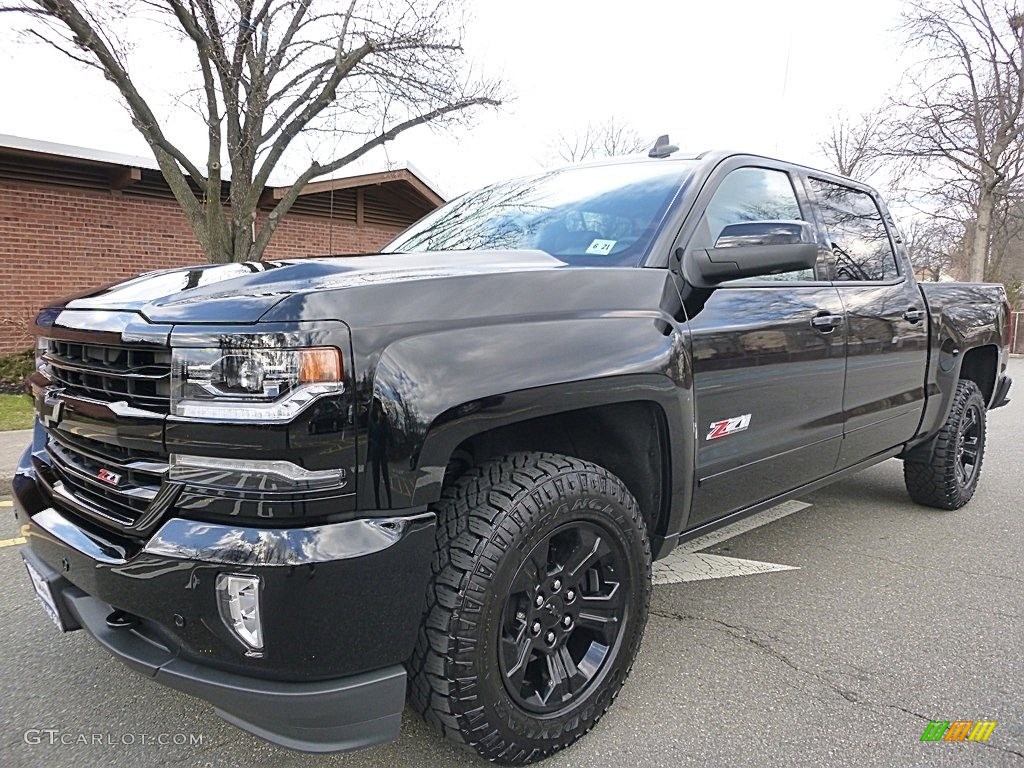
(910, 712)
(927, 719)
(750, 636)
(996, 747)
(984, 612)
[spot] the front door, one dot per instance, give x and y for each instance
(768, 361)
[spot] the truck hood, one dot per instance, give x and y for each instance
(243, 293)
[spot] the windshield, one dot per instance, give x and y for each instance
(602, 215)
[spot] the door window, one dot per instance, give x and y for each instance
(753, 194)
(856, 233)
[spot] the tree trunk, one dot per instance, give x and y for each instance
(978, 256)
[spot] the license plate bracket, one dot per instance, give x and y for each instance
(45, 595)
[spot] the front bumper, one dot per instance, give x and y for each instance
(340, 604)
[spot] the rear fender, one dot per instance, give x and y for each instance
(956, 330)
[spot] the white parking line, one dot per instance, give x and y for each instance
(697, 566)
(10, 542)
(688, 563)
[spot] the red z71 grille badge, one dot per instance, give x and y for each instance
(108, 477)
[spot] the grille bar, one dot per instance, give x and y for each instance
(124, 502)
(88, 471)
(111, 456)
(139, 376)
(86, 505)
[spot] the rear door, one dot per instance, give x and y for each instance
(768, 373)
(886, 320)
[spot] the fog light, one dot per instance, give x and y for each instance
(238, 598)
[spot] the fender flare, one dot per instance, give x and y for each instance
(566, 365)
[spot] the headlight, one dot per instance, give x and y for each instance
(239, 383)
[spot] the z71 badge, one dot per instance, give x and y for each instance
(108, 477)
(728, 426)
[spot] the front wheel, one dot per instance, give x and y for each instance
(949, 479)
(536, 608)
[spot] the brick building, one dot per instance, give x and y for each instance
(72, 218)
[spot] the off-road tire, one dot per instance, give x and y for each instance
(936, 483)
(487, 523)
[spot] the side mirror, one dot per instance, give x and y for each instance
(753, 249)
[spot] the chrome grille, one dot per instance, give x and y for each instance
(78, 462)
(140, 376)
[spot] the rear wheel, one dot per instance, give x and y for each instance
(949, 479)
(536, 608)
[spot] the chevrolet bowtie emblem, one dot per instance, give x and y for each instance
(52, 412)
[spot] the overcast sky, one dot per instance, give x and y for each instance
(711, 74)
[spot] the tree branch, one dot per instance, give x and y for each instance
(168, 156)
(315, 169)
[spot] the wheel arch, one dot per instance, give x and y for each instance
(628, 424)
(630, 439)
(981, 365)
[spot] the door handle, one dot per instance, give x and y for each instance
(826, 322)
(913, 315)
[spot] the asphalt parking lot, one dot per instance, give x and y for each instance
(890, 615)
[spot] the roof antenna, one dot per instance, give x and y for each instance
(661, 147)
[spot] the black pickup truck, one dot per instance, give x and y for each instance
(308, 490)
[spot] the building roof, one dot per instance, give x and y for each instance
(364, 198)
(405, 173)
(52, 149)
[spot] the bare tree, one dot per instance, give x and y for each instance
(610, 138)
(1006, 253)
(935, 246)
(854, 145)
(961, 112)
(268, 71)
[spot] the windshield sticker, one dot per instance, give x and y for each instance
(600, 247)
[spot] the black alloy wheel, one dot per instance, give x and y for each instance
(968, 445)
(563, 618)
